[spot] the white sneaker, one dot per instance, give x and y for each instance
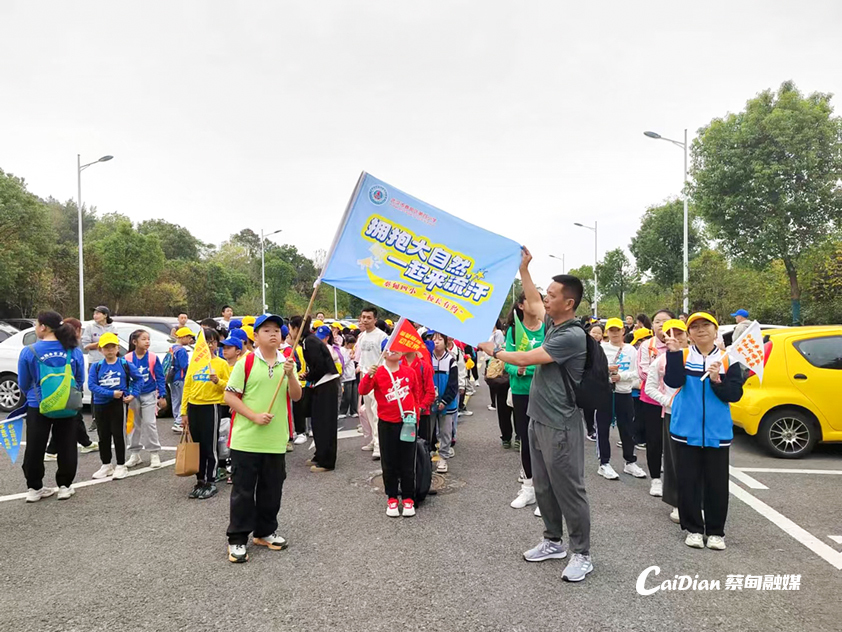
(341, 416)
(94, 447)
(634, 470)
(695, 541)
(656, 488)
(354, 416)
(104, 471)
(716, 542)
(120, 472)
(368, 447)
(375, 455)
(674, 516)
(300, 439)
(537, 511)
(490, 407)
(134, 460)
(155, 460)
(50, 457)
(65, 492)
(177, 429)
(34, 495)
(441, 468)
(606, 471)
(526, 496)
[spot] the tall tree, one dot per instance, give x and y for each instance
(177, 242)
(585, 275)
(658, 246)
(617, 276)
(766, 179)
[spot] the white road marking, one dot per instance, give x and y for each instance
(836, 538)
(745, 479)
(348, 434)
(775, 470)
(142, 470)
(831, 556)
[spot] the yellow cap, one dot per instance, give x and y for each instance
(336, 324)
(640, 334)
(674, 323)
(183, 333)
(316, 324)
(249, 331)
(615, 322)
(352, 327)
(109, 339)
(389, 322)
(702, 316)
(249, 320)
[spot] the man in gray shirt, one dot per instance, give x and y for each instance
(556, 426)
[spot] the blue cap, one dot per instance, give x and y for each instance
(740, 312)
(431, 346)
(232, 342)
(323, 332)
(383, 344)
(284, 331)
(235, 323)
(239, 334)
(268, 318)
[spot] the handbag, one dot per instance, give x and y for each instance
(409, 419)
(186, 455)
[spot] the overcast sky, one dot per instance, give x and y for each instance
(522, 117)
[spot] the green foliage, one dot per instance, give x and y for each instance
(658, 246)
(585, 275)
(766, 179)
(616, 276)
(176, 241)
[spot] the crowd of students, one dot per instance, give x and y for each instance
(668, 386)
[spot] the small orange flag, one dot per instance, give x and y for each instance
(405, 338)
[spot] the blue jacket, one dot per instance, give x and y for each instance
(180, 362)
(446, 381)
(104, 379)
(701, 415)
(51, 353)
(149, 383)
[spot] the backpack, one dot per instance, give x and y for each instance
(129, 357)
(167, 365)
(60, 394)
(248, 366)
(594, 391)
(423, 470)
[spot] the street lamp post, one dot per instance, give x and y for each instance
(561, 258)
(263, 265)
(79, 169)
(594, 229)
(686, 266)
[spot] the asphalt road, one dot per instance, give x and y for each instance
(136, 554)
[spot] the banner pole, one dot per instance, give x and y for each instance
(295, 343)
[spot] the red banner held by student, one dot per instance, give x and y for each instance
(405, 338)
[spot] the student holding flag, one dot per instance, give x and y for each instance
(525, 332)
(701, 428)
(204, 392)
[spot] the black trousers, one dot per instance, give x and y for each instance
(323, 419)
(670, 477)
(590, 420)
(109, 426)
(499, 393)
(654, 437)
(204, 428)
(624, 412)
(397, 458)
(426, 430)
(38, 429)
(82, 437)
(702, 471)
(258, 484)
(639, 425)
(300, 411)
(520, 404)
(350, 398)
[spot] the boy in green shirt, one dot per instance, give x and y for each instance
(259, 439)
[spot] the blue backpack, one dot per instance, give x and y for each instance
(60, 394)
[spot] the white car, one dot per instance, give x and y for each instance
(10, 349)
(727, 331)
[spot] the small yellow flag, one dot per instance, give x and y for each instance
(129, 421)
(201, 354)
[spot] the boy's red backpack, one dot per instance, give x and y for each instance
(248, 366)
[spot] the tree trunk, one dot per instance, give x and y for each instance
(794, 290)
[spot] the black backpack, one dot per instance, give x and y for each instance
(594, 391)
(423, 470)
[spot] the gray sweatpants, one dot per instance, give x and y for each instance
(176, 391)
(558, 474)
(145, 433)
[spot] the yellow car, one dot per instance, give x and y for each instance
(798, 403)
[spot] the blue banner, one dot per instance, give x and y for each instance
(11, 431)
(416, 260)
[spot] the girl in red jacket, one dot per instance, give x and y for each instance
(394, 385)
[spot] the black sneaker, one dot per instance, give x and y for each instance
(209, 491)
(197, 490)
(507, 445)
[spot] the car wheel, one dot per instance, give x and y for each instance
(10, 395)
(788, 433)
